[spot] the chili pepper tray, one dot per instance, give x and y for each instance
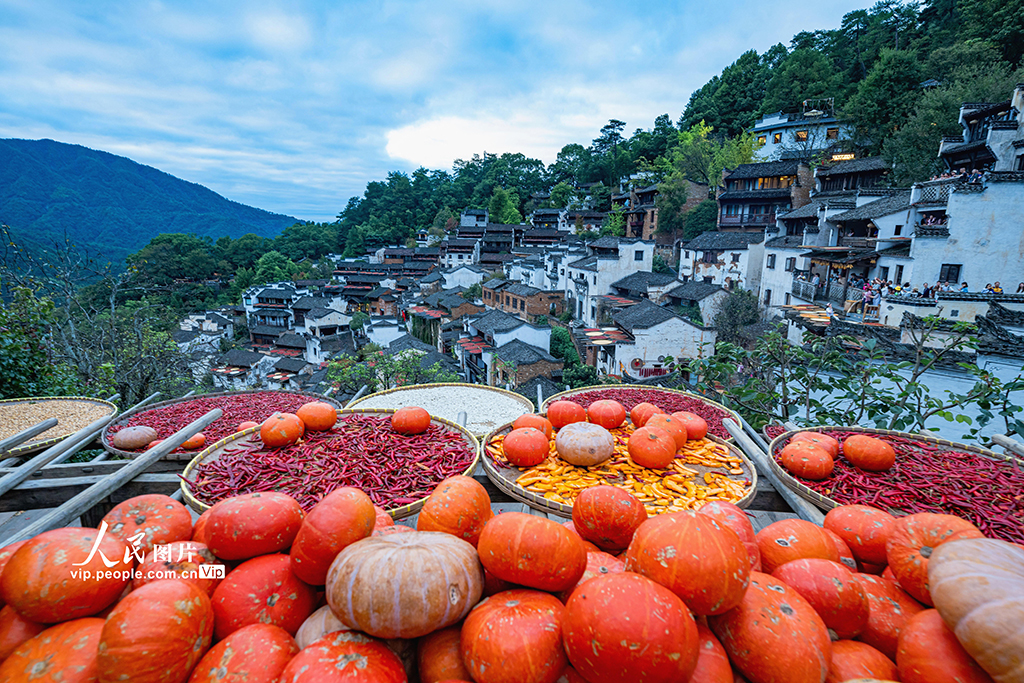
(35, 445)
(504, 476)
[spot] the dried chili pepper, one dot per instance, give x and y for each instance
(667, 401)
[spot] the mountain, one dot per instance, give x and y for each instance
(111, 204)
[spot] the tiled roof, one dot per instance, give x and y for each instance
(547, 386)
(589, 263)
(724, 240)
(495, 321)
(183, 336)
(785, 242)
(317, 313)
(306, 303)
(522, 290)
(606, 242)
(519, 352)
(886, 206)
(290, 365)
(267, 330)
(433, 276)
(407, 341)
(641, 280)
(240, 358)
(805, 211)
(694, 291)
(773, 193)
(642, 316)
(764, 170)
(290, 340)
(854, 166)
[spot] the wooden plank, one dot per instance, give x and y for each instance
(761, 518)
(85, 469)
(51, 493)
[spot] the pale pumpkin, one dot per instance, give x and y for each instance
(323, 622)
(584, 444)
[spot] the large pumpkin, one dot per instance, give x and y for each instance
(793, 539)
(5, 555)
(864, 529)
(538, 422)
(584, 444)
(607, 413)
(561, 413)
(730, 515)
(263, 590)
(160, 519)
(652, 447)
(515, 637)
(623, 628)
(199, 528)
(642, 412)
(978, 588)
(183, 561)
(851, 660)
(696, 426)
(45, 580)
(404, 585)
(257, 653)
(458, 506)
(913, 540)
(692, 555)
(156, 634)
(607, 516)
(774, 635)
(928, 652)
(532, 551)
(846, 557)
(15, 630)
(806, 460)
(712, 660)
(345, 657)
(253, 524)
(323, 622)
(675, 428)
(834, 593)
(889, 611)
(341, 518)
(439, 656)
(823, 441)
(526, 446)
(65, 653)
(869, 453)
(598, 564)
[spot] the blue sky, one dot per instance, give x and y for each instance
(293, 106)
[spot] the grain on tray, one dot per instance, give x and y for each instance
(71, 414)
(486, 409)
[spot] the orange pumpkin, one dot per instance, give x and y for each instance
(161, 520)
(156, 442)
(731, 516)
(526, 447)
(253, 524)
(65, 653)
(845, 554)
(889, 611)
(182, 561)
(5, 555)
(262, 590)
(383, 518)
(15, 630)
(607, 516)
(869, 453)
(158, 633)
(608, 617)
(712, 661)
(194, 442)
(793, 539)
(675, 428)
(929, 652)
(345, 657)
(607, 413)
(410, 420)
(807, 461)
(692, 555)
(587, 545)
(696, 426)
(642, 412)
(584, 444)
(833, 592)
(532, 551)
(913, 540)
(281, 429)
(851, 660)
(562, 413)
(537, 422)
(822, 441)
(343, 517)
(317, 416)
(199, 528)
(515, 637)
(246, 425)
(393, 529)
(458, 506)
(439, 657)
(864, 529)
(598, 564)
(652, 447)
(257, 653)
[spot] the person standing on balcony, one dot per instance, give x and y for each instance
(816, 281)
(1020, 288)
(997, 289)
(964, 288)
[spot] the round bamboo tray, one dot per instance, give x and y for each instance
(37, 444)
(397, 398)
(252, 436)
(504, 477)
(582, 390)
(186, 455)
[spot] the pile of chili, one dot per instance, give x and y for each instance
(930, 477)
(773, 431)
(666, 400)
(362, 451)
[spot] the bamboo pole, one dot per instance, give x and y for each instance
(362, 390)
(24, 435)
(64, 456)
(1008, 444)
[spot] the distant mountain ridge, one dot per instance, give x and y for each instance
(110, 203)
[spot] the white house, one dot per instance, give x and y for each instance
(609, 260)
(463, 276)
(728, 259)
(239, 369)
(323, 322)
(705, 297)
(812, 130)
(384, 330)
(491, 330)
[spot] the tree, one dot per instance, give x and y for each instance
(473, 292)
(701, 156)
(381, 370)
(886, 97)
(273, 267)
(307, 240)
(503, 207)
(580, 376)
(358, 320)
(27, 359)
(615, 222)
(702, 218)
(562, 346)
(738, 310)
(661, 266)
(561, 194)
(803, 74)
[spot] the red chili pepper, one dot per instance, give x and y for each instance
(667, 401)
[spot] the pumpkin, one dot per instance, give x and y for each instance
(928, 652)
(281, 429)
(822, 441)
(864, 529)
(568, 676)
(181, 560)
(538, 422)
(383, 518)
(410, 420)
(439, 656)
(774, 635)
(242, 426)
(257, 653)
(696, 426)
(317, 416)
(712, 661)
(702, 562)
(598, 564)
(133, 438)
(262, 590)
(913, 540)
(15, 630)
(160, 519)
(345, 657)
(38, 582)
(845, 554)
(65, 653)
(404, 585)
(732, 516)
(341, 518)
(154, 443)
(458, 506)
(978, 588)
(253, 524)
(851, 659)
(793, 539)
(514, 637)
(394, 529)
(492, 584)
(869, 453)
(587, 545)
(834, 593)
(562, 413)
(584, 444)
(607, 413)
(642, 412)
(652, 447)
(324, 622)
(5, 555)
(889, 611)
(199, 528)
(607, 516)
(607, 619)
(675, 428)
(532, 551)
(194, 442)
(807, 461)
(157, 633)
(526, 447)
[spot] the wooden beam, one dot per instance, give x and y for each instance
(21, 437)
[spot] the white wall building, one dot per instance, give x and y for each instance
(463, 276)
(609, 260)
(728, 259)
(657, 335)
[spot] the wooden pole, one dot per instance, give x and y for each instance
(362, 390)
(85, 500)
(24, 435)
(1008, 444)
(104, 455)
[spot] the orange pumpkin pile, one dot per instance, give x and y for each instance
(812, 455)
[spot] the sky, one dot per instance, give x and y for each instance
(293, 107)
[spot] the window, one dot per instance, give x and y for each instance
(800, 136)
(735, 258)
(732, 209)
(899, 274)
(709, 256)
(1020, 163)
(883, 273)
(771, 262)
(638, 255)
(950, 272)
(593, 312)
(832, 134)
(777, 138)
(595, 279)
(562, 271)
(789, 297)
(686, 254)
(790, 264)
(708, 280)
(767, 297)
(761, 139)
(897, 230)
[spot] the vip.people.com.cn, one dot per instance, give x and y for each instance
(122, 568)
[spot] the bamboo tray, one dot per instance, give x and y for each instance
(252, 436)
(504, 477)
(106, 435)
(37, 445)
(639, 387)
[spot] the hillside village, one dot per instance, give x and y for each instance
(830, 247)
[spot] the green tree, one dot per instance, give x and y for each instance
(27, 359)
(701, 156)
(661, 266)
(307, 240)
(703, 218)
(886, 97)
(473, 292)
(803, 74)
(562, 346)
(615, 222)
(503, 207)
(738, 310)
(381, 370)
(561, 194)
(580, 376)
(358, 320)
(273, 267)
(998, 21)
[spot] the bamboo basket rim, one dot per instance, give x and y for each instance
(121, 419)
(37, 446)
(539, 502)
(395, 513)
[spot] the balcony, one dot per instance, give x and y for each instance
(858, 242)
(748, 219)
(832, 293)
